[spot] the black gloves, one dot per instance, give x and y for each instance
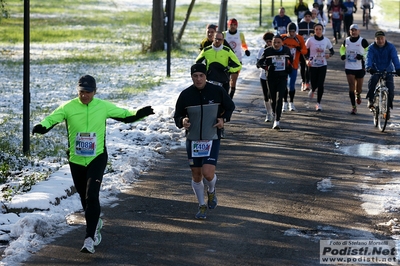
(39, 129)
(343, 57)
(359, 57)
(271, 68)
(247, 52)
(371, 71)
(298, 48)
(398, 72)
(143, 112)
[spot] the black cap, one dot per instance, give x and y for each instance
(198, 68)
(379, 33)
(87, 83)
(291, 26)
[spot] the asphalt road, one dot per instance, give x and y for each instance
(270, 210)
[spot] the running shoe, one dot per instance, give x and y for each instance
(370, 104)
(269, 118)
(285, 106)
(97, 234)
(201, 214)
(88, 246)
(358, 98)
(310, 94)
(212, 200)
(354, 110)
(303, 86)
(291, 107)
(318, 107)
(308, 86)
(276, 125)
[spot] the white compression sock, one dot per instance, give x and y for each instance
(198, 189)
(211, 184)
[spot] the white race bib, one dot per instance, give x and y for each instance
(85, 144)
(279, 62)
(201, 148)
(282, 29)
(336, 15)
(293, 52)
(351, 56)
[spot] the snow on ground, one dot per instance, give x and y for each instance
(133, 148)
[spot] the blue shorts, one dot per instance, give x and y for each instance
(199, 161)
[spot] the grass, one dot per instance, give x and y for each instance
(391, 10)
(97, 34)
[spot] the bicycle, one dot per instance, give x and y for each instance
(366, 15)
(380, 107)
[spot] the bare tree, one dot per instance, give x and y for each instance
(157, 27)
(178, 39)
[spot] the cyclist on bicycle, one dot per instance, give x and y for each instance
(366, 4)
(381, 56)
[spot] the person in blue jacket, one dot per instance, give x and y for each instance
(281, 21)
(381, 56)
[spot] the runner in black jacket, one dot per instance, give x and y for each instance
(202, 110)
(277, 60)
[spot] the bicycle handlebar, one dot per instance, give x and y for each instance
(384, 72)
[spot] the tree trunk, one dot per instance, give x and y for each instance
(170, 13)
(157, 27)
(178, 39)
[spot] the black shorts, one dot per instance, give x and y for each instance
(199, 161)
(359, 74)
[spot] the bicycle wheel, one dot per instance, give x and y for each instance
(366, 19)
(383, 111)
(375, 109)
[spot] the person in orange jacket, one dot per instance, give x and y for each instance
(298, 48)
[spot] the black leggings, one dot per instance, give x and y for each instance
(304, 70)
(87, 181)
(277, 88)
(317, 77)
(264, 87)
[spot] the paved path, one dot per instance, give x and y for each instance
(270, 211)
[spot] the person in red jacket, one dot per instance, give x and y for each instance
(336, 11)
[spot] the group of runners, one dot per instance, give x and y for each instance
(204, 107)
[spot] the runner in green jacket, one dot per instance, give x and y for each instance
(85, 118)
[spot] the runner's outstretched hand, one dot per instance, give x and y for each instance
(145, 111)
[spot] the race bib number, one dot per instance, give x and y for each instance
(279, 62)
(351, 56)
(201, 148)
(282, 30)
(319, 60)
(85, 144)
(336, 15)
(293, 52)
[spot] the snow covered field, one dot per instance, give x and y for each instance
(132, 148)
